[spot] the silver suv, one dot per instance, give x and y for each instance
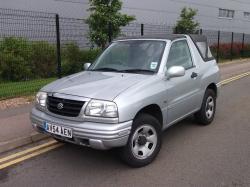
(137, 88)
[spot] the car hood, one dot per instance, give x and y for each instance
(97, 85)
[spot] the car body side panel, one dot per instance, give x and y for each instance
(183, 96)
(208, 71)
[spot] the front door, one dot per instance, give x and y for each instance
(183, 92)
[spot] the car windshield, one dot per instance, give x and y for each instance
(131, 56)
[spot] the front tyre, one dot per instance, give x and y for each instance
(144, 141)
(206, 114)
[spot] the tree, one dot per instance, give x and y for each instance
(186, 24)
(105, 15)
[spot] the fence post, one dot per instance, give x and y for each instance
(232, 43)
(110, 33)
(58, 47)
(142, 29)
(218, 47)
(243, 43)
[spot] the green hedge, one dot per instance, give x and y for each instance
(15, 57)
(73, 58)
(22, 60)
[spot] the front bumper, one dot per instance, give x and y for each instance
(95, 135)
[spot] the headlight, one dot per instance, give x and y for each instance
(101, 109)
(41, 98)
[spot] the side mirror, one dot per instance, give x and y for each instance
(86, 66)
(175, 71)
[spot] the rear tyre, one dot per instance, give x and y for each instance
(144, 142)
(205, 115)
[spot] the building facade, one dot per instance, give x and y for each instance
(225, 15)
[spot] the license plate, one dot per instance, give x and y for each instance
(58, 130)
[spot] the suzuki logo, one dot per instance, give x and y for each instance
(60, 106)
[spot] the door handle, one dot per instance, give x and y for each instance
(194, 75)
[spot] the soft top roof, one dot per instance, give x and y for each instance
(198, 38)
(195, 37)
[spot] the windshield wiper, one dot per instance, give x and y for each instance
(105, 69)
(124, 71)
(137, 71)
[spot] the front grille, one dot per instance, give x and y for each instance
(71, 108)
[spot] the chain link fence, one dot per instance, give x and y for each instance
(37, 48)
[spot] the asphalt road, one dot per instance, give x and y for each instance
(191, 155)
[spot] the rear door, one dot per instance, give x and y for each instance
(182, 91)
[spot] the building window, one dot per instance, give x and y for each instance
(247, 15)
(225, 13)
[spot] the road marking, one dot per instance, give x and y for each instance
(36, 153)
(27, 151)
(234, 78)
(226, 81)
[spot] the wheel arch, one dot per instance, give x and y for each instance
(154, 110)
(212, 86)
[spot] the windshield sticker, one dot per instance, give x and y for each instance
(153, 65)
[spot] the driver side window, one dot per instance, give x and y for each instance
(179, 55)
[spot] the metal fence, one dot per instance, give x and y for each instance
(38, 47)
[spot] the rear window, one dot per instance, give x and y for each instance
(202, 46)
(209, 54)
(204, 50)
(201, 43)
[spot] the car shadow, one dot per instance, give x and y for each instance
(99, 159)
